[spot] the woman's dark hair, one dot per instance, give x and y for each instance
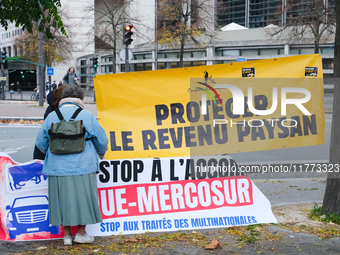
(57, 96)
(73, 91)
(70, 69)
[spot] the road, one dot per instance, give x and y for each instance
(18, 141)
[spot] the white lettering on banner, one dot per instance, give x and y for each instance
(180, 196)
(238, 100)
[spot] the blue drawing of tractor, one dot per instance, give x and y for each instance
(29, 215)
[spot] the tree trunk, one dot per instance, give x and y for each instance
(331, 201)
(181, 52)
(114, 50)
(316, 45)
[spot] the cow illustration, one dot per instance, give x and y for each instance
(24, 173)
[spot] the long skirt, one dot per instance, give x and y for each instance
(73, 200)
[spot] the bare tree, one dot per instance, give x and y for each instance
(111, 15)
(182, 22)
(331, 201)
(306, 19)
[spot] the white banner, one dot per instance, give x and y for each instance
(139, 195)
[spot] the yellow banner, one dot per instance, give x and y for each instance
(207, 110)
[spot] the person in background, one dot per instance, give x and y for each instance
(60, 84)
(72, 185)
(37, 90)
(70, 77)
(48, 88)
(18, 87)
(53, 86)
(53, 100)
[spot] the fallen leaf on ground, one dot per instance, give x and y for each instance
(132, 239)
(213, 245)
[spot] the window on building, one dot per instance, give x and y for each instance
(293, 51)
(147, 56)
(268, 52)
(249, 52)
(186, 64)
(328, 64)
(218, 53)
(110, 68)
(138, 56)
(132, 68)
(328, 50)
(172, 55)
(83, 62)
(161, 65)
(161, 55)
(230, 53)
(173, 64)
(223, 61)
(305, 51)
(106, 69)
(83, 70)
(198, 63)
(83, 79)
(186, 54)
(199, 54)
(148, 66)
(139, 67)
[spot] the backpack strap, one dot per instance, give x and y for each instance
(60, 116)
(75, 114)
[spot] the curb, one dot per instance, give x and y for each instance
(22, 118)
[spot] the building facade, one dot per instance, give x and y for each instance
(228, 47)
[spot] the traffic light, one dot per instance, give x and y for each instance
(127, 34)
(3, 59)
(95, 63)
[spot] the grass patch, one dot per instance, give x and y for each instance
(316, 214)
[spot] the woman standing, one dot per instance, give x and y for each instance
(70, 77)
(72, 186)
